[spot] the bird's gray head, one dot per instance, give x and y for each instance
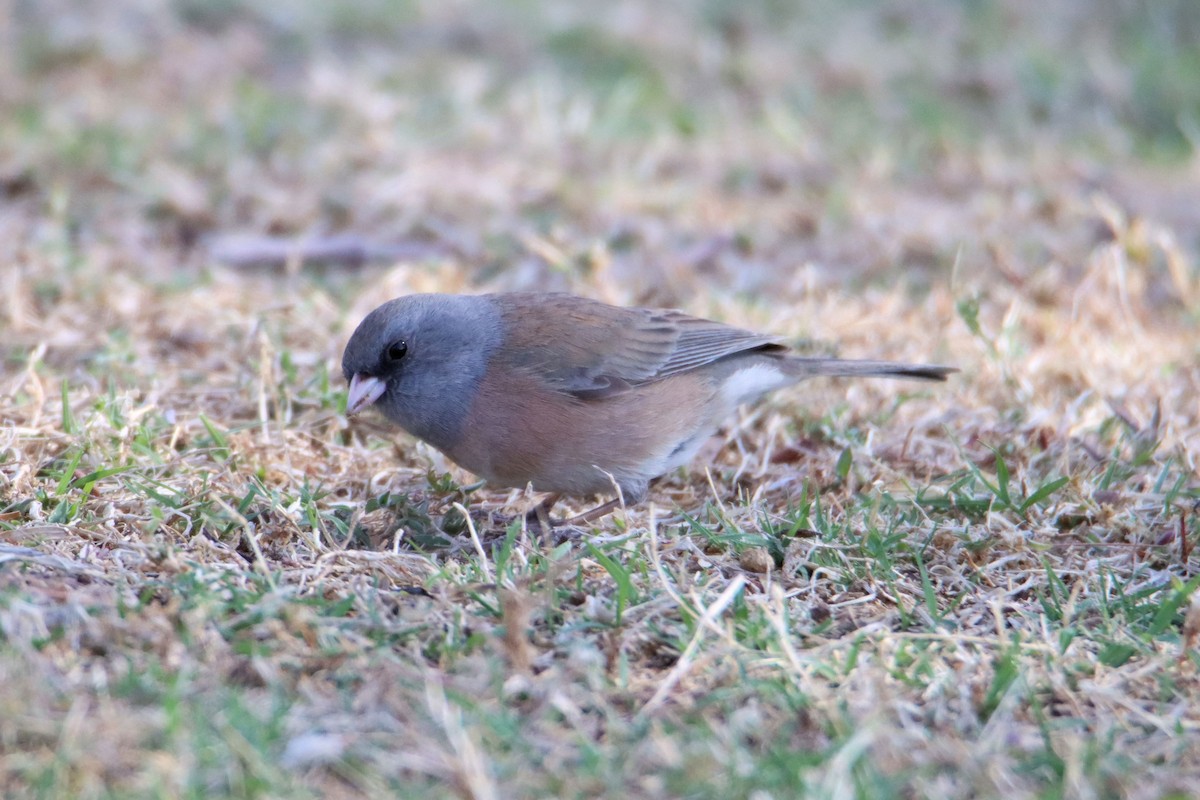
(420, 360)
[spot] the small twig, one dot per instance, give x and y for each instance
(277, 252)
(776, 612)
(470, 765)
(684, 664)
(483, 560)
(1185, 547)
(264, 380)
(260, 560)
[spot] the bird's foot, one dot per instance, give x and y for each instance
(539, 516)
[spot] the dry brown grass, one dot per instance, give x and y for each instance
(212, 583)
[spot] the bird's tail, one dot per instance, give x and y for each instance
(800, 368)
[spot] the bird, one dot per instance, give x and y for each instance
(567, 394)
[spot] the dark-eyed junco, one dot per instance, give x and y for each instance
(568, 394)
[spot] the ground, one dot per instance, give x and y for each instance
(213, 583)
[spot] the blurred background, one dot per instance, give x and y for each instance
(751, 146)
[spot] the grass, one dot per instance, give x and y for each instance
(214, 584)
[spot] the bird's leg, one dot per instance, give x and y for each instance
(629, 495)
(539, 515)
(602, 510)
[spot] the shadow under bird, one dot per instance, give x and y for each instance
(569, 395)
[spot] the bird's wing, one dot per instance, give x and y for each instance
(591, 349)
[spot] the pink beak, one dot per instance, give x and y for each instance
(364, 391)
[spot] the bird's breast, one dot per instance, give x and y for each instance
(519, 431)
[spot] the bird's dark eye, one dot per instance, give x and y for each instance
(396, 350)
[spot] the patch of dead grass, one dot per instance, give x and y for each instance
(212, 582)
